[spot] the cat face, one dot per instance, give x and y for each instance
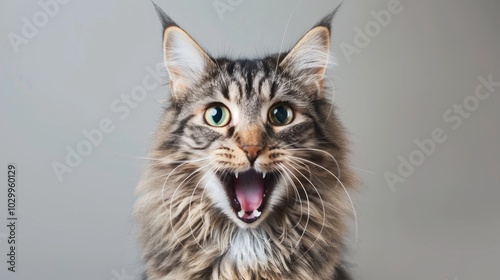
(248, 123)
(248, 127)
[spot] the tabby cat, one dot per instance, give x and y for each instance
(248, 175)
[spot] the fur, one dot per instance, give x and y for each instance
(188, 229)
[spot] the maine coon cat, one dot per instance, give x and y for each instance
(248, 175)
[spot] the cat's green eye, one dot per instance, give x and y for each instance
(280, 114)
(217, 115)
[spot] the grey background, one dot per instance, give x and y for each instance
(442, 222)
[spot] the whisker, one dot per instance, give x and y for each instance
(190, 203)
(325, 152)
(173, 195)
(367, 171)
(345, 189)
(282, 235)
(283, 171)
(308, 205)
(322, 207)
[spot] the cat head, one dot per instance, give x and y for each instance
(252, 135)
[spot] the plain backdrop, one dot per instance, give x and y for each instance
(441, 218)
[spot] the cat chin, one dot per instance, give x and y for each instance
(253, 225)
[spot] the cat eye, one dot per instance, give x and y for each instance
(280, 114)
(217, 115)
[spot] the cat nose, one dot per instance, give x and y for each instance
(252, 151)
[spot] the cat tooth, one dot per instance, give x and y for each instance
(241, 213)
(236, 175)
(263, 175)
(256, 213)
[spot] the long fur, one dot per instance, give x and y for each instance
(187, 228)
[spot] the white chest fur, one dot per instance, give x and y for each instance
(250, 248)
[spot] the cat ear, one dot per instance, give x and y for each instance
(308, 59)
(187, 63)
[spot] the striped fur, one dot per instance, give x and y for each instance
(188, 229)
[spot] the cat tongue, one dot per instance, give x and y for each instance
(249, 190)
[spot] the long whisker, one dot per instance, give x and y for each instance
(333, 158)
(345, 189)
(322, 207)
(282, 235)
(367, 171)
(171, 172)
(284, 172)
(171, 203)
(173, 194)
(308, 205)
(191, 200)
(162, 161)
(321, 151)
(298, 163)
(288, 145)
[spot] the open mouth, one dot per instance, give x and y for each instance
(248, 192)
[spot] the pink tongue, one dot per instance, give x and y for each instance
(249, 190)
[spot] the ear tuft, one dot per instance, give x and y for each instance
(327, 20)
(165, 20)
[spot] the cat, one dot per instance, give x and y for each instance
(248, 175)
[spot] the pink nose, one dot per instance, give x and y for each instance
(252, 151)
